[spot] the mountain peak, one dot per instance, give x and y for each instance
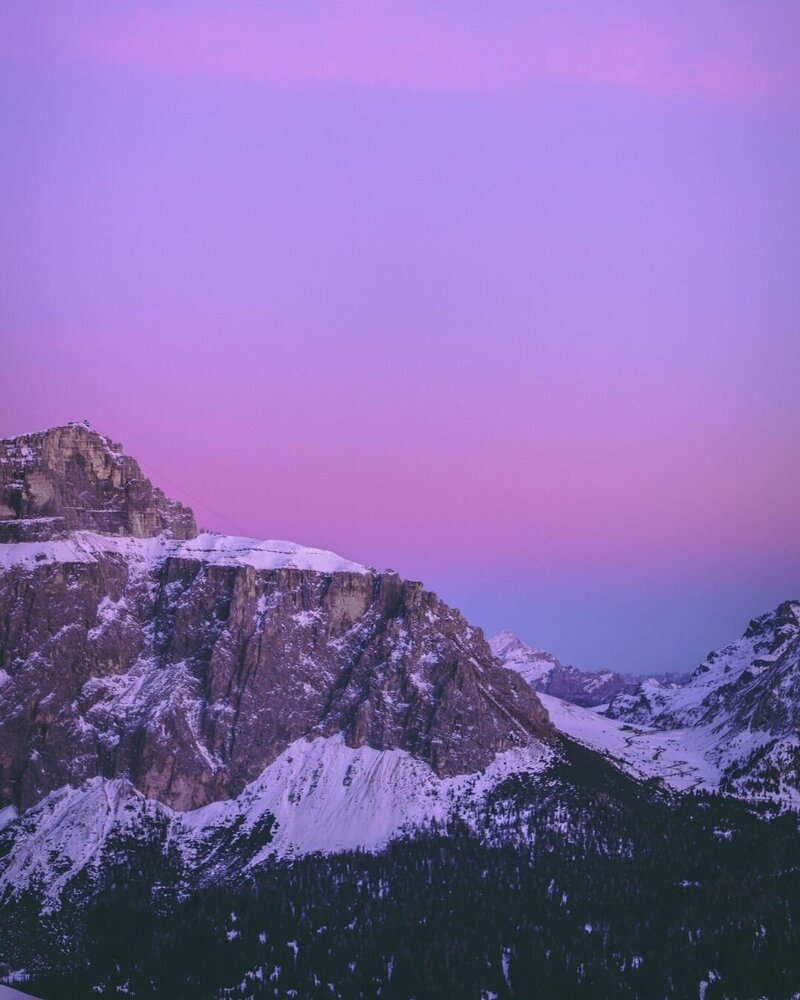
(507, 645)
(71, 477)
(200, 661)
(547, 675)
(785, 616)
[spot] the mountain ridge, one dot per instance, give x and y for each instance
(546, 674)
(747, 697)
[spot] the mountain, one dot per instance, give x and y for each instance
(545, 674)
(238, 768)
(186, 667)
(741, 705)
(732, 726)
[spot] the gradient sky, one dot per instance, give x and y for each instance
(505, 296)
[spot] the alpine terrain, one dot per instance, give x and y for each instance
(547, 675)
(239, 768)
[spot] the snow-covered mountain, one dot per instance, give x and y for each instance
(742, 704)
(152, 671)
(732, 725)
(546, 674)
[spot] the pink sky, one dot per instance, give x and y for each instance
(737, 52)
(504, 296)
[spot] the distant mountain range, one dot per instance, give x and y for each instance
(547, 675)
(732, 725)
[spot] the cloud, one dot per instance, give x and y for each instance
(730, 51)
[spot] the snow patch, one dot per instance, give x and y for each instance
(329, 797)
(210, 548)
(683, 758)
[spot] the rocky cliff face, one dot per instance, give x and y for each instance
(69, 478)
(187, 667)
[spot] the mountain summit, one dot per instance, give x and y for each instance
(71, 478)
(547, 675)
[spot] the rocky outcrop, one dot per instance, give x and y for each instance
(188, 673)
(70, 478)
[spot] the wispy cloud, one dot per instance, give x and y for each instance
(742, 52)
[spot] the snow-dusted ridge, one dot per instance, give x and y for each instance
(209, 547)
(324, 795)
(742, 705)
(532, 664)
(546, 674)
(329, 797)
(721, 678)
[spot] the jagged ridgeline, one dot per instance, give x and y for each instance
(732, 725)
(198, 731)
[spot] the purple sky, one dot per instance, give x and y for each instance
(504, 296)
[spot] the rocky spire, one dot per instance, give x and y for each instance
(70, 478)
